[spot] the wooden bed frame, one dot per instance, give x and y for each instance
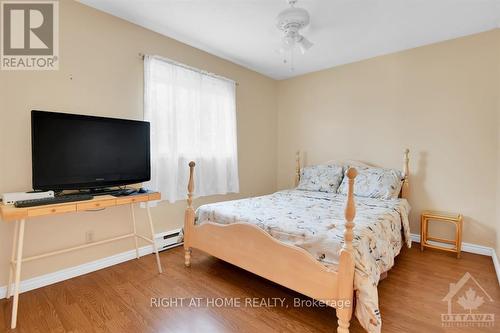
(281, 263)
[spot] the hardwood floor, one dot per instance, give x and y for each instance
(118, 299)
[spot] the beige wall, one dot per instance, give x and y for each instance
(498, 151)
(438, 100)
(101, 74)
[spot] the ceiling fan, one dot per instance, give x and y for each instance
(291, 21)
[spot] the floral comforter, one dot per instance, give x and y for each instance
(315, 221)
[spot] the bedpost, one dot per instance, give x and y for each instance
(350, 210)
(297, 168)
(346, 263)
(189, 216)
(405, 189)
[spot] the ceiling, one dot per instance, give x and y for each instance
(343, 31)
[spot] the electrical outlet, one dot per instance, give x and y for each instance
(89, 236)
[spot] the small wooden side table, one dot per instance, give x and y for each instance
(455, 219)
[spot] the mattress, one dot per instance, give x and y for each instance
(315, 222)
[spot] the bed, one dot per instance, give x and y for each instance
(305, 240)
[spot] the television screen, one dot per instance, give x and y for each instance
(84, 152)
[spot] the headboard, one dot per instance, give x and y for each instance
(405, 189)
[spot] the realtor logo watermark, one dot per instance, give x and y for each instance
(245, 302)
(29, 35)
(470, 296)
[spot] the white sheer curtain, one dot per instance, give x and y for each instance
(193, 117)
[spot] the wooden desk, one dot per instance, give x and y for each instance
(10, 213)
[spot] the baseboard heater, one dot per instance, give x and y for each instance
(168, 240)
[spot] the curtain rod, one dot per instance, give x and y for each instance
(194, 69)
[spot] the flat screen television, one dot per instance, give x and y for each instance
(84, 152)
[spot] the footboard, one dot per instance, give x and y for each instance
(252, 249)
(249, 247)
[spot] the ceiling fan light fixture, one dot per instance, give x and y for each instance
(304, 44)
(291, 21)
(289, 40)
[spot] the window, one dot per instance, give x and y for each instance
(193, 117)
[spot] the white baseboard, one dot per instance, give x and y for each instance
(496, 263)
(466, 247)
(71, 272)
(476, 249)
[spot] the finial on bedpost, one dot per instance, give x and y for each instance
(297, 168)
(405, 190)
(189, 216)
(191, 184)
(350, 210)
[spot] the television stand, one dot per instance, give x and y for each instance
(22, 215)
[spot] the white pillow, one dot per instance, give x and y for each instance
(375, 183)
(322, 178)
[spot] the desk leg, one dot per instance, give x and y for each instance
(135, 230)
(19, 257)
(155, 249)
(12, 258)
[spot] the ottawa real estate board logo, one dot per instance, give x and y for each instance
(466, 300)
(29, 35)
